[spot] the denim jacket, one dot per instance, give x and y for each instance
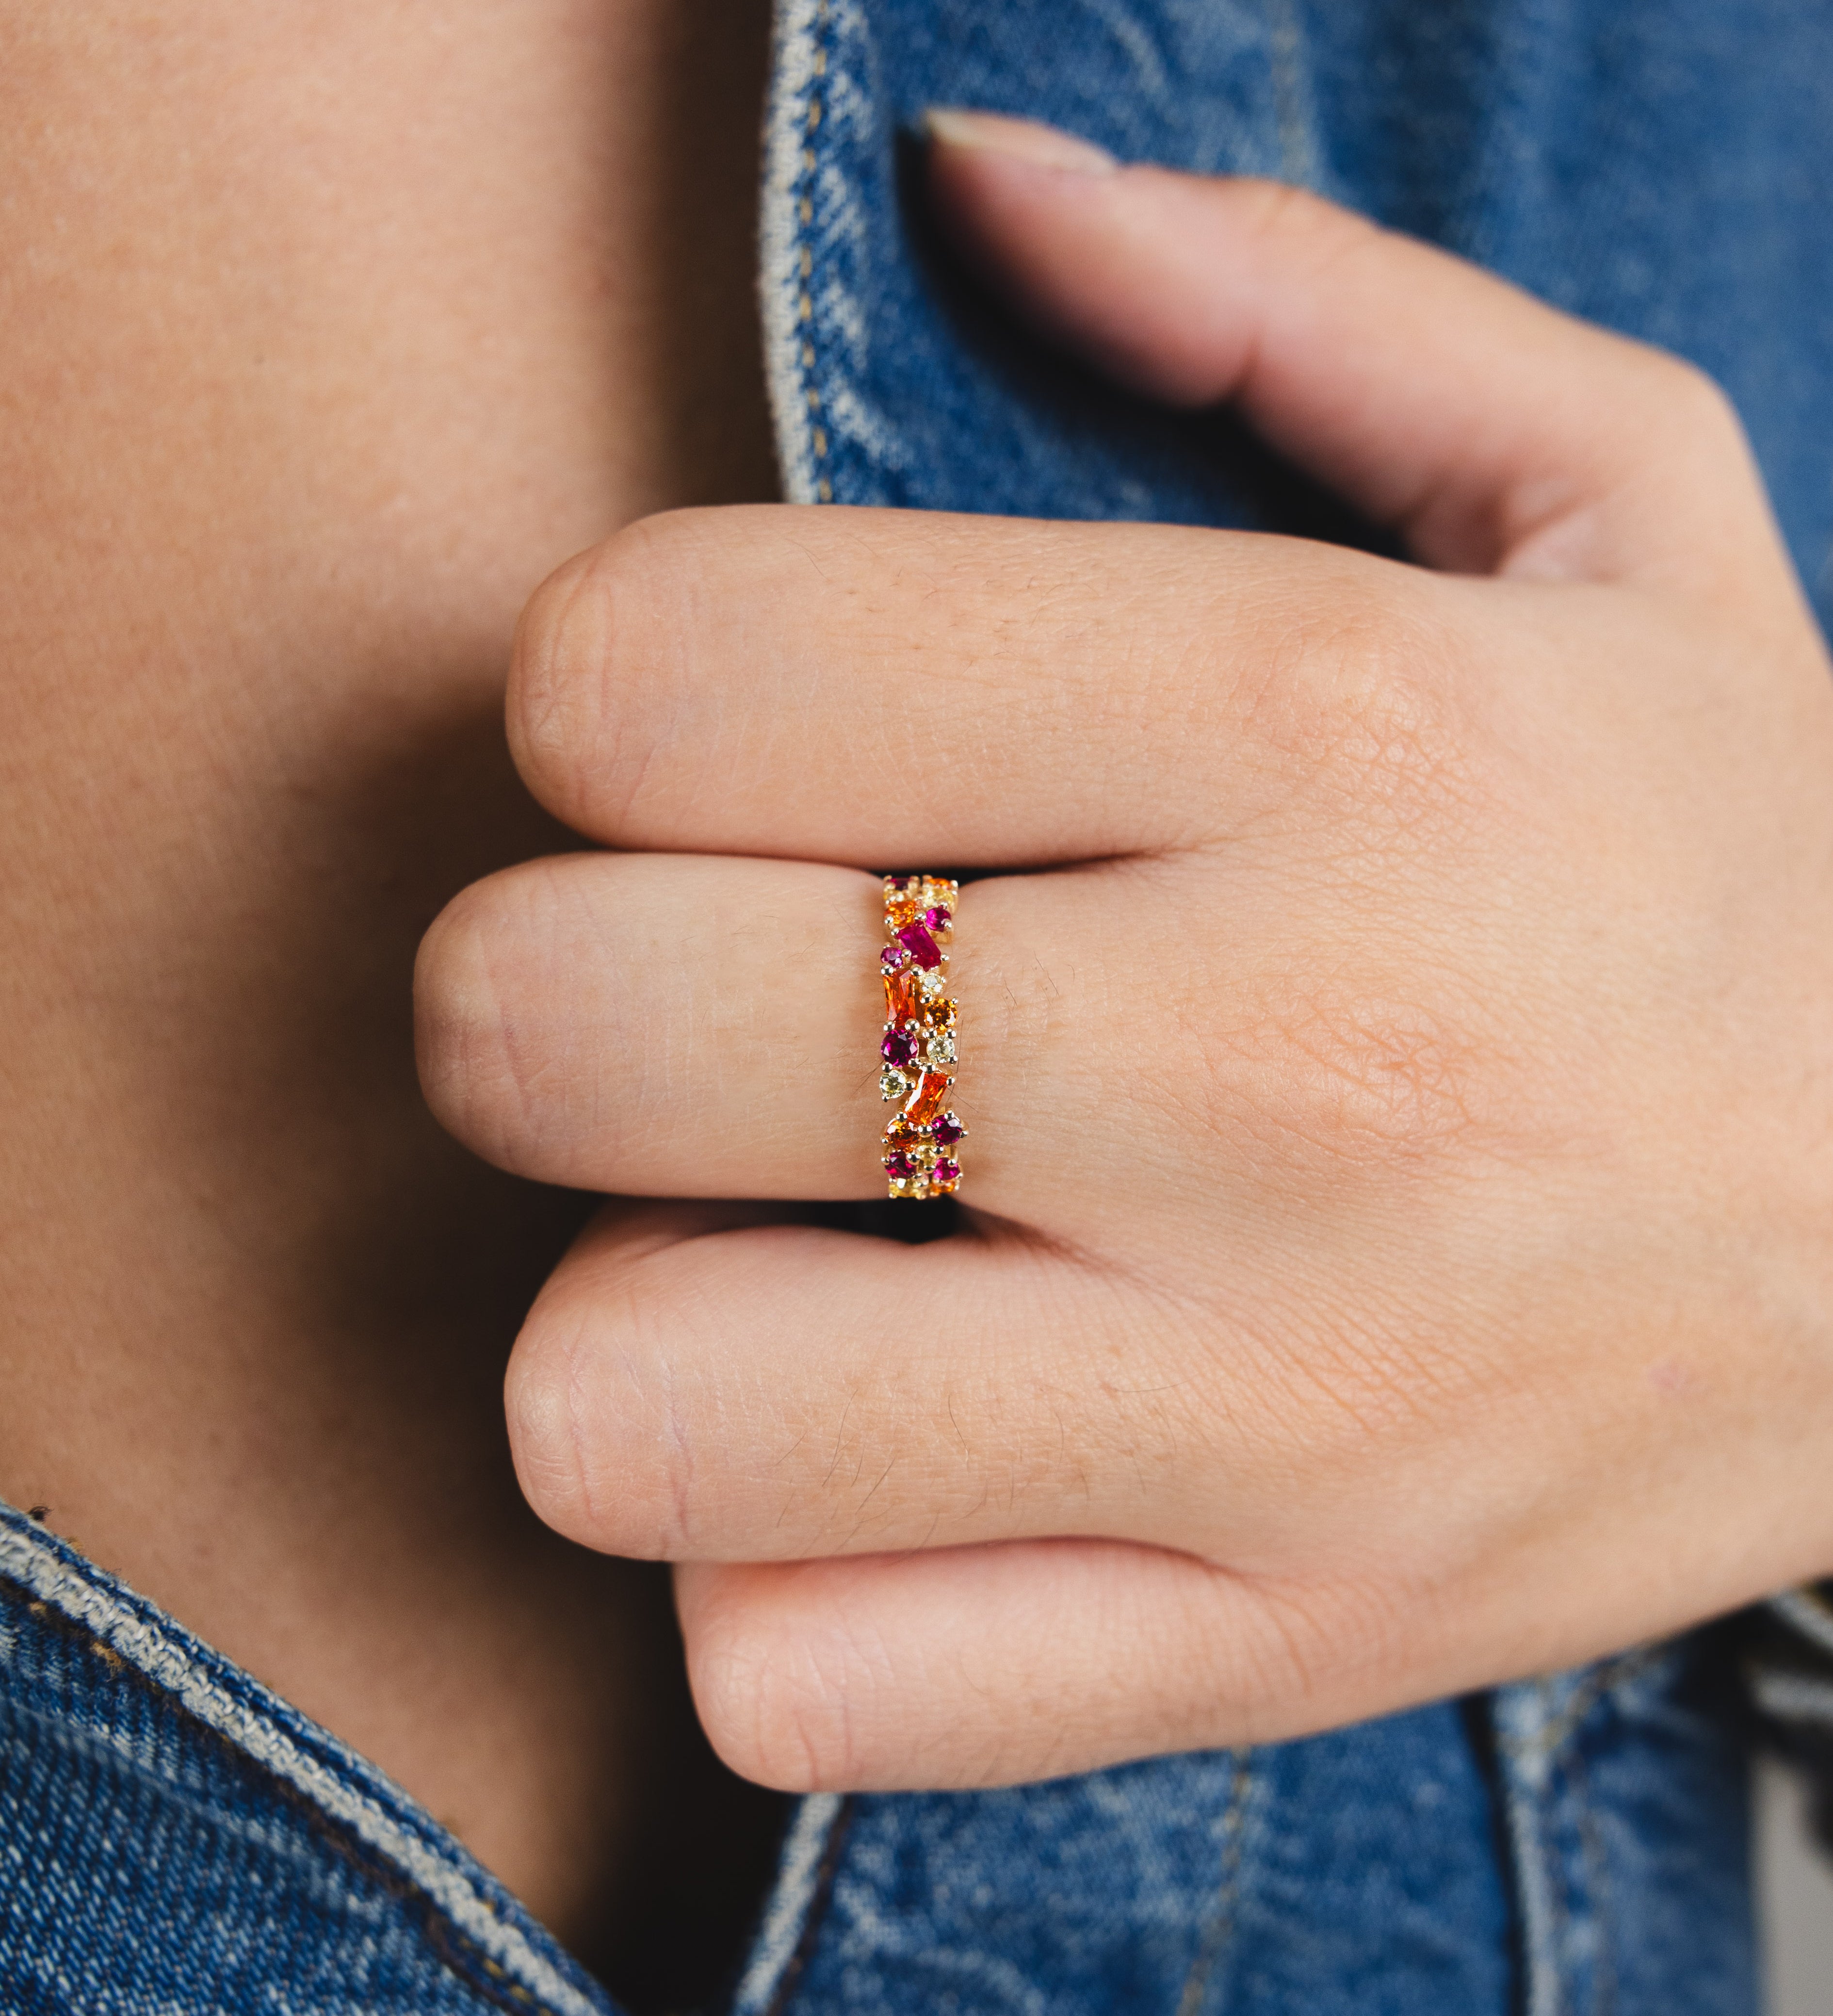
(174, 1839)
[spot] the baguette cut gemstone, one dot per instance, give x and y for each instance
(921, 947)
(926, 1101)
(901, 1002)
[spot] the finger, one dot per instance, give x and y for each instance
(926, 688)
(682, 1392)
(1497, 433)
(683, 1025)
(1001, 1665)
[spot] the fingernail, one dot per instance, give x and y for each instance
(1023, 139)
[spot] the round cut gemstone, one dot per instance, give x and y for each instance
(893, 956)
(940, 1047)
(898, 1166)
(938, 919)
(947, 1174)
(893, 1085)
(898, 1047)
(932, 984)
(947, 1130)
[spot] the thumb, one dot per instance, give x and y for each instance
(1495, 434)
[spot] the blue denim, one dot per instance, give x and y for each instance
(174, 1839)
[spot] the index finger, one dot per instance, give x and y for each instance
(863, 685)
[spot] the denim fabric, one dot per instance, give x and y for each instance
(174, 1838)
(176, 1841)
(1660, 165)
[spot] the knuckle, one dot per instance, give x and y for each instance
(590, 645)
(552, 711)
(595, 1452)
(1346, 1081)
(499, 1073)
(459, 1021)
(1315, 231)
(779, 1703)
(1363, 700)
(1693, 395)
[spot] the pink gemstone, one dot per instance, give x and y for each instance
(898, 1047)
(938, 920)
(948, 1130)
(893, 956)
(898, 1166)
(948, 1172)
(921, 946)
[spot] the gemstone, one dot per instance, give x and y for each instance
(938, 920)
(900, 1002)
(931, 984)
(926, 1102)
(893, 1085)
(938, 1011)
(938, 1047)
(947, 1130)
(899, 1046)
(946, 1174)
(898, 1166)
(900, 1129)
(893, 956)
(921, 946)
(901, 910)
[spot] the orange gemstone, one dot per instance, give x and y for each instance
(927, 1100)
(901, 1001)
(900, 911)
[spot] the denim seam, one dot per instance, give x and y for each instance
(1216, 1934)
(1597, 1868)
(785, 253)
(811, 1853)
(1808, 1611)
(41, 1566)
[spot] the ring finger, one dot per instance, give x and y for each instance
(687, 1025)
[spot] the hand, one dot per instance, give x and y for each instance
(1401, 1124)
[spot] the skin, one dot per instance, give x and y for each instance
(1395, 1033)
(325, 334)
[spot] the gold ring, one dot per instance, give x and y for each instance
(917, 1050)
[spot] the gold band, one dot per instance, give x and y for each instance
(918, 1049)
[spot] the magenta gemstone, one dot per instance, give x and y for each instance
(948, 1130)
(898, 1166)
(899, 1046)
(893, 956)
(948, 1172)
(938, 920)
(921, 946)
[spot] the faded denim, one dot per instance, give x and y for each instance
(174, 1838)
